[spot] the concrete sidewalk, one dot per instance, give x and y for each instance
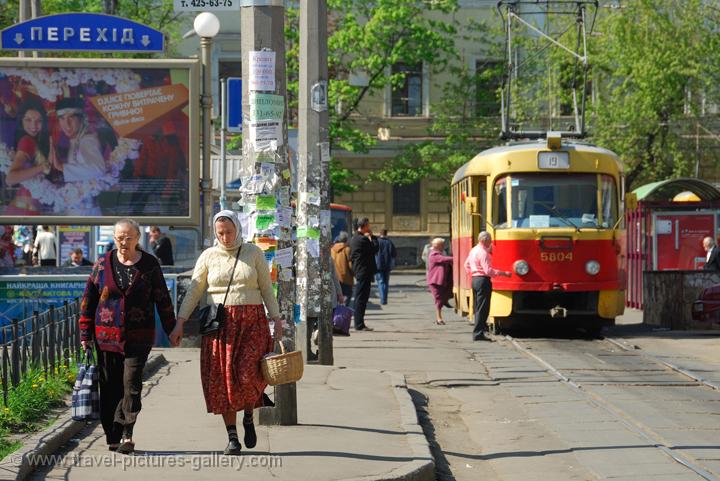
(352, 424)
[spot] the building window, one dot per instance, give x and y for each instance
(406, 199)
(488, 75)
(407, 99)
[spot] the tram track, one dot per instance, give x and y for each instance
(681, 370)
(627, 419)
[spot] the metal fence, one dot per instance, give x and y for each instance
(43, 341)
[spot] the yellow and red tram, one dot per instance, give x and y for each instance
(554, 209)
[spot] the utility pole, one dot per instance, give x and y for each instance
(313, 209)
(24, 14)
(262, 42)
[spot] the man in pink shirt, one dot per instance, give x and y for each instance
(479, 265)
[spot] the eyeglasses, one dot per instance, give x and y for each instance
(125, 238)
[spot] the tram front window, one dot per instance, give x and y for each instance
(550, 200)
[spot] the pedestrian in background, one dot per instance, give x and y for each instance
(439, 277)
(44, 250)
(712, 259)
(77, 259)
(118, 313)
(230, 358)
(161, 246)
(479, 266)
(426, 252)
(385, 262)
(340, 253)
(363, 248)
(7, 247)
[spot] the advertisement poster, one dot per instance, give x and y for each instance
(678, 240)
(20, 297)
(71, 237)
(95, 142)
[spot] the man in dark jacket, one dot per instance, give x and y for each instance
(161, 246)
(363, 248)
(385, 261)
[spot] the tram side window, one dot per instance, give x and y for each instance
(609, 201)
(500, 204)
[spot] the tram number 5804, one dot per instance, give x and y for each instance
(556, 256)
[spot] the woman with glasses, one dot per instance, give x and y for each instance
(118, 314)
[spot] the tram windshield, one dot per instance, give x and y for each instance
(542, 200)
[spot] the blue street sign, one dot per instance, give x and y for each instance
(82, 31)
(234, 104)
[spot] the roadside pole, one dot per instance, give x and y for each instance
(265, 158)
(313, 209)
(223, 145)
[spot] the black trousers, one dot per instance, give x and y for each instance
(482, 290)
(120, 389)
(361, 294)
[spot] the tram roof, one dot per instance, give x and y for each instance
(482, 163)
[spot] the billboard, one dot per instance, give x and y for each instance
(90, 141)
(20, 296)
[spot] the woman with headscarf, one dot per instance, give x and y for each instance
(230, 358)
(439, 277)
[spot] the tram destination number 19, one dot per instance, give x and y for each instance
(206, 3)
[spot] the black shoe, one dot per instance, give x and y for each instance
(233, 448)
(482, 337)
(126, 447)
(448, 305)
(250, 436)
(364, 328)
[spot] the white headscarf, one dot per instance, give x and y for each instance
(236, 221)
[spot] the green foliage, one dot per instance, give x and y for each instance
(367, 37)
(30, 402)
(653, 58)
(464, 122)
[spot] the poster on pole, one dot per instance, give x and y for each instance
(89, 141)
(262, 71)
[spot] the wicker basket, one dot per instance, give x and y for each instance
(282, 368)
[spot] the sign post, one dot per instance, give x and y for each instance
(234, 105)
(82, 32)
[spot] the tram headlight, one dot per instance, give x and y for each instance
(592, 267)
(521, 267)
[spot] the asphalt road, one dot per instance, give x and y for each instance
(548, 405)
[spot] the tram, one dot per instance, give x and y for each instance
(554, 209)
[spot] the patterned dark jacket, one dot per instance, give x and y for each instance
(116, 318)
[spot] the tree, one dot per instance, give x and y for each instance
(653, 61)
(366, 38)
(464, 122)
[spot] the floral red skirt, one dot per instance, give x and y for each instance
(230, 360)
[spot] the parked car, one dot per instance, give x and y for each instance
(707, 306)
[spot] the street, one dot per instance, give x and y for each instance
(547, 407)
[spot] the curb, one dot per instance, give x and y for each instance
(20, 464)
(423, 468)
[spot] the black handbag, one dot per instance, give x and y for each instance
(212, 316)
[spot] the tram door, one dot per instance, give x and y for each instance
(677, 239)
(469, 218)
